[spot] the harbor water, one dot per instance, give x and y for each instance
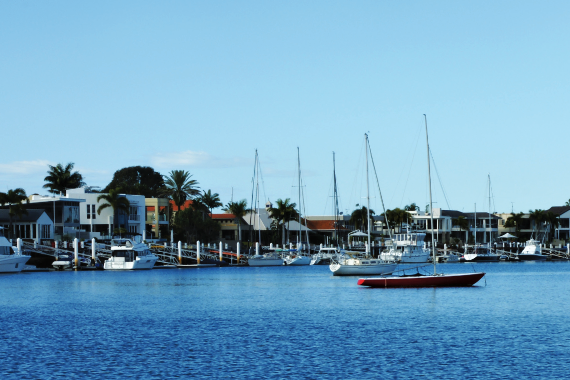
(284, 323)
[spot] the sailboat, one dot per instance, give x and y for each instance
(272, 258)
(353, 263)
(297, 258)
(419, 281)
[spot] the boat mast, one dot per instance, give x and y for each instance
(489, 178)
(475, 239)
(430, 202)
(335, 200)
(367, 195)
(299, 175)
(257, 198)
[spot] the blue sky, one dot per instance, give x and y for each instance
(200, 85)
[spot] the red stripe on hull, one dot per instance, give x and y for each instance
(450, 280)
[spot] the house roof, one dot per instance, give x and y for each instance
(33, 216)
(558, 210)
(223, 216)
(323, 225)
(185, 205)
(480, 215)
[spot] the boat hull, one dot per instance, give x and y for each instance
(13, 263)
(265, 262)
(359, 270)
(300, 260)
(529, 257)
(141, 263)
(476, 257)
(450, 280)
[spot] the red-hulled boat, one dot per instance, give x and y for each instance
(441, 280)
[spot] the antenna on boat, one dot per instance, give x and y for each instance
(430, 202)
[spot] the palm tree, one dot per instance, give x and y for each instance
(553, 221)
(462, 223)
(283, 213)
(179, 186)
(359, 216)
(61, 177)
(238, 209)
(14, 198)
(411, 207)
(116, 202)
(538, 216)
(567, 203)
(211, 200)
(515, 221)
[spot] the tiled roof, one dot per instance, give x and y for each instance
(223, 216)
(322, 225)
(185, 205)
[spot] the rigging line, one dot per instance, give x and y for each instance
(410, 171)
(380, 191)
(405, 164)
(262, 182)
(252, 191)
(439, 178)
(327, 197)
(356, 175)
(492, 195)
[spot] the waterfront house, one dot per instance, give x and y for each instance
(35, 225)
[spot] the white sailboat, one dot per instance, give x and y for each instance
(298, 257)
(352, 263)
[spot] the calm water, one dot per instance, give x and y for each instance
(282, 323)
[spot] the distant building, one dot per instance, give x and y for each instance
(157, 219)
(35, 225)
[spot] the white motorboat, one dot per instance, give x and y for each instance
(352, 264)
(129, 255)
(407, 248)
(325, 256)
(10, 261)
(532, 251)
(481, 253)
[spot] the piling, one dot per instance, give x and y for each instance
(198, 252)
(19, 245)
(179, 251)
(238, 252)
(76, 252)
(93, 251)
(257, 248)
(221, 251)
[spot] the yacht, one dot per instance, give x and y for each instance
(532, 251)
(407, 248)
(270, 259)
(481, 254)
(297, 258)
(325, 256)
(10, 261)
(127, 254)
(352, 263)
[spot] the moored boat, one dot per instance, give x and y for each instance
(407, 248)
(441, 280)
(351, 264)
(10, 260)
(532, 251)
(127, 254)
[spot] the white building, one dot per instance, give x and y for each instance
(101, 225)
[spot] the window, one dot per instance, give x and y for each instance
(88, 212)
(93, 212)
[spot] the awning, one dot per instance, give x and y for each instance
(507, 236)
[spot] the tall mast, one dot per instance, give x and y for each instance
(299, 172)
(475, 240)
(430, 202)
(257, 198)
(335, 200)
(489, 178)
(367, 194)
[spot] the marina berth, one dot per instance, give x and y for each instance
(127, 254)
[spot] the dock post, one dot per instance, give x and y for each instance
(198, 252)
(144, 235)
(76, 253)
(257, 248)
(19, 245)
(221, 251)
(179, 252)
(35, 244)
(445, 250)
(290, 246)
(321, 246)
(270, 245)
(172, 236)
(238, 252)
(93, 251)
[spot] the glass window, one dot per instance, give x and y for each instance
(93, 212)
(88, 213)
